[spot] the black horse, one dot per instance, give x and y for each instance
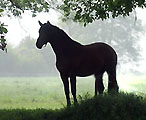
(74, 59)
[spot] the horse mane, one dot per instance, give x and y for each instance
(66, 38)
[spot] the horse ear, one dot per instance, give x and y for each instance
(48, 23)
(40, 23)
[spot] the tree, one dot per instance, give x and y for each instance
(87, 11)
(40, 64)
(26, 60)
(17, 7)
(84, 10)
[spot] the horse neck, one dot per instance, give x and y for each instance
(64, 45)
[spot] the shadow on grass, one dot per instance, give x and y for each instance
(122, 106)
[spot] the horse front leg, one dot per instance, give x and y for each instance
(66, 88)
(73, 88)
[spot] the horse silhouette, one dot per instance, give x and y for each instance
(74, 59)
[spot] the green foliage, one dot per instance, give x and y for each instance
(17, 7)
(107, 107)
(87, 11)
(3, 31)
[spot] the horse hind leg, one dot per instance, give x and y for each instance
(112, 82)
(99, 87)
(73, 88)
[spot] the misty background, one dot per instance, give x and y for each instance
(126, 35)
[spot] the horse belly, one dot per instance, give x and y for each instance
(84, 73)
(88, 67)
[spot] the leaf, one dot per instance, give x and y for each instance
(3, 40)
(1, 10)
(4, 30)
(33, 15)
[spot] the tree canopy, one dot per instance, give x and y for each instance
(87, 11)
(17, 7)
(81, 10)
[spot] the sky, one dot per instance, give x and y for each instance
(18, 28)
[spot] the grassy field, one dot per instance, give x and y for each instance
(31, 93)
(47, 92)
(106, 107)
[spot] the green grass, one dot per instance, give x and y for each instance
(31, 93)
(106, 107)
(134, 84)
(41, 92)
(48, 93)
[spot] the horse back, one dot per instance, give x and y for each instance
(103, 51)
(101, 56)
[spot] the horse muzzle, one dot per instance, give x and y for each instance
(38, 46)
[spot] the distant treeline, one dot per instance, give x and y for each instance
(27, 60)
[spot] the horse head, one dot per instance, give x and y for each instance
(45, 34)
